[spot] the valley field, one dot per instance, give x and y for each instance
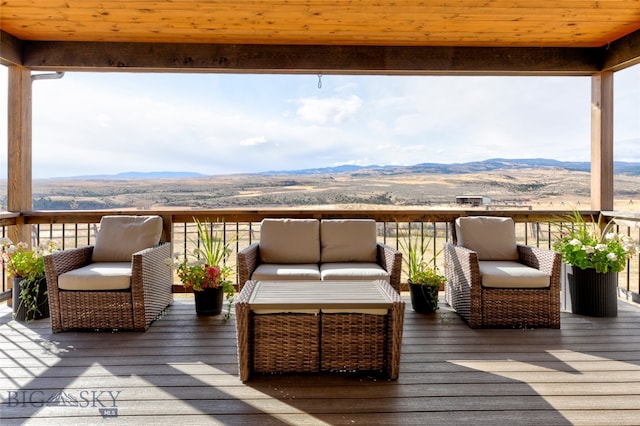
(535, 188)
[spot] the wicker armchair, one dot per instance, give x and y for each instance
(91, 301)
(488, 292)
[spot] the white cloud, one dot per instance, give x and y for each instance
(103, 120)
(259, 140)
(336, 110)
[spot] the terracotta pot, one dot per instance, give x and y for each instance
(209, 301)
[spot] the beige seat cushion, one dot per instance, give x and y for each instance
(97, 276)
(348, 240)
(280, 271)
(121, 236)
(353, 271)
(290, 241)
(510, 274)
(492, 238)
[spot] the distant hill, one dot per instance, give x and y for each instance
(347, 168)
(141, 175)
(620, 167)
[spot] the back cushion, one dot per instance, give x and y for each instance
(348, 240)
(121, 236)
(493, 238)
(290, 241)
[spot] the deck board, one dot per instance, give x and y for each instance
(183, 370)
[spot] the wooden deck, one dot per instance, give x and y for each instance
(183, 370)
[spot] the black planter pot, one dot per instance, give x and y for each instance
(424, 298)
(587, 292)
(209, 301)
(19, 310)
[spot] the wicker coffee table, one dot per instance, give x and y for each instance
(314, 326)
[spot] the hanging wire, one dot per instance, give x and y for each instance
(319, 80)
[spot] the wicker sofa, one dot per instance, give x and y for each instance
(121, 282)
(327, 250)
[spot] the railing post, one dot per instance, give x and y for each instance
(167, 228)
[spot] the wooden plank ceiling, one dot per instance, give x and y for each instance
(487, 23)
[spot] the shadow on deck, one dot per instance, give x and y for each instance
(184, 370)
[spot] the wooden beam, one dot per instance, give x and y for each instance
(602, 141)
(10, 49)
(148, 57)
(622, 53)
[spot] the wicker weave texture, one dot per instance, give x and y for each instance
(395, 326)
(81, 310)
(516, 308)
(156, 280)
(285, 343)
(391, 260)
(243, 330)
(247, 261)
(354, 342)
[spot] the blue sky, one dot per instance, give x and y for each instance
(94, 123)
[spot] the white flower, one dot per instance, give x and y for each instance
(601, 247)
(612, 256)
(5, 242)
(50, 245)
(589, 249)
(610, 236)
(575, 242)
(47, 247)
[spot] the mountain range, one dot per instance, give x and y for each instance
(620, 167)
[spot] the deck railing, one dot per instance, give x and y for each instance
(540, 228)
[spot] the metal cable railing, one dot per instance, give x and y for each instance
(539, 229)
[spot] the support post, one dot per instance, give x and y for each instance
(19, 195)
(602, 141)
(19, 179)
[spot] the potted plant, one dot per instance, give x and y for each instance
(424, 278)
(206, 274)
(593, 254)
(26, 266)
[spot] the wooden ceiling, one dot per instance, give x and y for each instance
(492, 23)
(372, 36)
